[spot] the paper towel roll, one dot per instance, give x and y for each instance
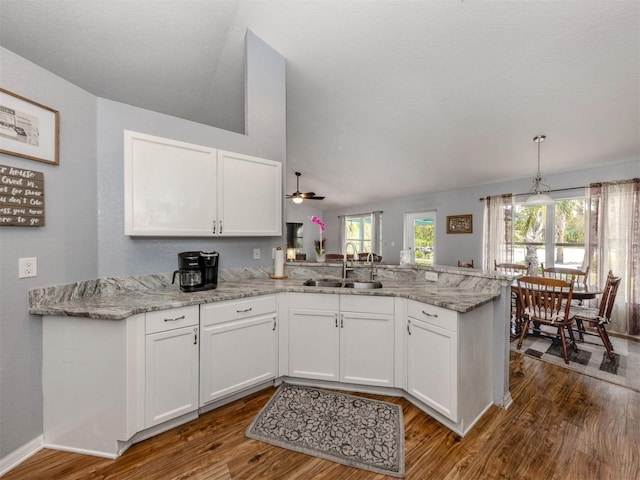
(279, 263)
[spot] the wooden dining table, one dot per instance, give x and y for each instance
(580, 292)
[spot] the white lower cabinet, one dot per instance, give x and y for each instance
(239, 346)
(171, 364)
(341, 338)
(125, 380)
(432, 358)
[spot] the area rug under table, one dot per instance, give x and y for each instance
(590, 359)
(350, 430)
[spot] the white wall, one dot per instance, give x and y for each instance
(66, 247)
(453, 247)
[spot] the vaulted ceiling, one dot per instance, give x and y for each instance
(385, 98)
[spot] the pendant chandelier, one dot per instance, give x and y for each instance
(539, 190)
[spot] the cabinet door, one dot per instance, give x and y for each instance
(169, 187)
(433, 366)
(236, 355)
(249, 195)
(314, 339)
(367, 349)
(171, 374)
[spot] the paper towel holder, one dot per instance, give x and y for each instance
(279, 257)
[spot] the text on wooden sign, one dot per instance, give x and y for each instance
(21, 197)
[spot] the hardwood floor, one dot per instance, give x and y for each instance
(562, 425)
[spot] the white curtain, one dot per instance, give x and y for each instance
(498, 230)
(614, 244)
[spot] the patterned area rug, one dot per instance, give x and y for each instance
(591, 358)
(354, 431)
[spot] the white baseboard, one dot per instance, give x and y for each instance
(21, 454)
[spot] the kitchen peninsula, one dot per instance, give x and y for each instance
(127, 358)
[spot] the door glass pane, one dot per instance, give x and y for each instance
(423, 240)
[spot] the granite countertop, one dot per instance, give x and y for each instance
(117, 305)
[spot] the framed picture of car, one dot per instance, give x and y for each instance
(28, 129)
(460, 224)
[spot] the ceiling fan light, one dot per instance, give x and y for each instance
(297, 199)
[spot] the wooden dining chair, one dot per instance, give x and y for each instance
(562, 273)
(511, 267)
(465, 265)
(598, 317)
(566, 274)
(547, 301)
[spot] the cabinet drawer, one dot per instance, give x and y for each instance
(237, 309)
(438, 316)
(162, 320)
(366, 304)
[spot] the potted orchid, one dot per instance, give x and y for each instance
(320, 255)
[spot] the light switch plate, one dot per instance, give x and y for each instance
(256, 253)
(27, 267)
(431, 276)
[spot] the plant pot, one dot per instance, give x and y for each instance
(321, 258)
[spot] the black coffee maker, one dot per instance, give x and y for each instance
(198, 271)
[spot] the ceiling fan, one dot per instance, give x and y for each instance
(298, 196)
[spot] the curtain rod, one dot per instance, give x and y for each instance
(360, 214)
(530, 193)
(614, 182)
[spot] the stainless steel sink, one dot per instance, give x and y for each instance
(323, 282)
(331, 282)
(363, 284)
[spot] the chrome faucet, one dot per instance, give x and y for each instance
(344, 259)
(373, 273)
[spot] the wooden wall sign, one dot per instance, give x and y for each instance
(21, 197)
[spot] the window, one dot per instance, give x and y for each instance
(553, 234)
(358, 232)
(420, 236)
(363, 231)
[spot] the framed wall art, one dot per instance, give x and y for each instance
(460, 224)
(28, 129)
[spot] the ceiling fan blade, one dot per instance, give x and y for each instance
(298, 194)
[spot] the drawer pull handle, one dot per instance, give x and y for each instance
(336, 316)
(409, 326)
(245, 310)
(174, 319)
(435, 315)
(342, 320)
(274, 324)
(195, 336)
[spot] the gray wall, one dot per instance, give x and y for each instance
(266, 116)
(451, 248)
(83, 236)
(302, 213)
(66, 247)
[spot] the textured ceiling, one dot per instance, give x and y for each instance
(384, 98)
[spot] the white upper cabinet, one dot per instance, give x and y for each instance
(174, 188)
(249, 195)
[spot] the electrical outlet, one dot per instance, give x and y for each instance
(27, 267)
(256, 254)
(431, 276)
(273, 253)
